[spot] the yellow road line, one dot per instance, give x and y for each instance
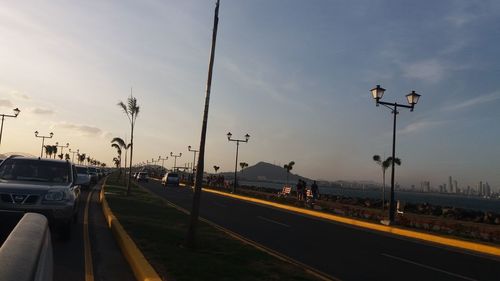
(466, 245)
(89, 269)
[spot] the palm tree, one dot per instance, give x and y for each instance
(131, 110)
(54, 150)
(216, 168)
(243, 165)
(81, 158)
(385, 164)
(288, 167)
(66, 156)
(119, 151)
(123, 145)
(88, 160)
(48, 151)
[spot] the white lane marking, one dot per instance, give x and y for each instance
(428, 267)
(273, 221)
(219, 204)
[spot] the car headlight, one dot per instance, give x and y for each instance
(54, 196)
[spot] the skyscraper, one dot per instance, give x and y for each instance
(450, 184)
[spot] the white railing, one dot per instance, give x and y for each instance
(26, 254)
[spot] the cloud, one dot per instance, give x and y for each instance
(84, 130)
(474, 101)
(420, 126)
(5, 103)
(428, 70)
(20, 95)
(42, 111)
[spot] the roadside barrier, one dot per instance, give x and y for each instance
(143, 271)
(26, 254)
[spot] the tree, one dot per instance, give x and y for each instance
(131, 109)
(48, 151)
(119, 141)
(216, 168)
(66, 156)
(81, 158)
(119, 151)
(385, 164)
(243, 165)
(288, 167)
(54, 150)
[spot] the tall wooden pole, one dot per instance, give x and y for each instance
(195, 210)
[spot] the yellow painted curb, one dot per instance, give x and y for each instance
(466, 245)
(143, 271)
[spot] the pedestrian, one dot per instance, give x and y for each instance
(304, 190)
(314, 190)
(299, 190)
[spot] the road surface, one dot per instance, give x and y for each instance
(341, 251)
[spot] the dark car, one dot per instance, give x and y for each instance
(171, 179)
(142, 176)
(46, 186)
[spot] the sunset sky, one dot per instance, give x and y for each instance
(295, 75)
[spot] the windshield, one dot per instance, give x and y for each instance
(81, 170)
(35, 170)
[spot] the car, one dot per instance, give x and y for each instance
(142, 176)
(93, 175)
(171, 179)
(46, 186)
(83, 171)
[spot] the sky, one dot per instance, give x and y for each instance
(294, 75)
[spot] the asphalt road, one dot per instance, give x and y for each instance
(344, 252)
(107, 260)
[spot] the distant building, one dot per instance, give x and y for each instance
(455, 184)
(450, 184)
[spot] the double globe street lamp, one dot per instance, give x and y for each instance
(43, 140)
(412, 98)
(194, 159)
(229, 135)
(175, 159)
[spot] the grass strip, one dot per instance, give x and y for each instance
(159, 231)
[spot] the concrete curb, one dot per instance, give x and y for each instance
(451, 242)
(143, 271)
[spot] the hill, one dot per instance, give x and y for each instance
(263, 171)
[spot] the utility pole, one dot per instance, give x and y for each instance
(195, 209)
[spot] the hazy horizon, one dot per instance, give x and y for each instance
(295, 75)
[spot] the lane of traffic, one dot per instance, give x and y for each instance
(331, 247)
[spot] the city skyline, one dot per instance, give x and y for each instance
(294, 76)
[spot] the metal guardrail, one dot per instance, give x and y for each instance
(26, 254)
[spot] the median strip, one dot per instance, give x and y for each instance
(143, 271)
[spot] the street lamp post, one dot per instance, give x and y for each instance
(175, 158)
(73, 152)
(412, 99)
(16, 112)
(162, 161)
(62, 148)
(247, 136)
(43, 140)
(194, 159)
